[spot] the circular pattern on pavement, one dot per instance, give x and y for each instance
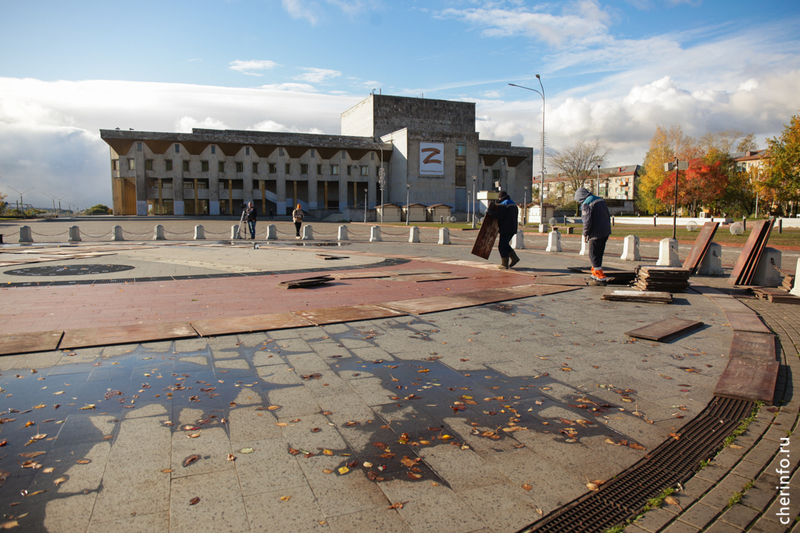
(68, 270)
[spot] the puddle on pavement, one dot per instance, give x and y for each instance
(65, 410)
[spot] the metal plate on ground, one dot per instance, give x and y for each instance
(638, 296)
(350, 313)
(747, 321)
(386, 273)
(730, 305)
(248, 324)
(83, 338)
(40, 341)
(431, 304)
(569, 281)
(664, 330)
(758, 345)
(421, 278)
(748, 378)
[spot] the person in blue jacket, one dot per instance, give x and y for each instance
(596, 228)
(506, 213)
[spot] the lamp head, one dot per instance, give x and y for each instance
(537, 76)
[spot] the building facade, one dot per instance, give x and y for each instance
(392, 150)
(616, 184)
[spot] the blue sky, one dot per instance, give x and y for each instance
(612, 70)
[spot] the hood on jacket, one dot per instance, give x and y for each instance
(582, 194)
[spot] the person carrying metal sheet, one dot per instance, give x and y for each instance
(506, 213)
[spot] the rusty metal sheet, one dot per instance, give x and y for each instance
(750, 269)
(750, 247)
(82, 338)
(421, 278)
(39, 341)
(758, 345)
(748, 378)
(700, 247)
(349, 313)
(664, 330)
(729, 304)
(638, 296)
(248, 324)
(431, 304)
(363, 275)
(748, 321)
(537, 289)
(486, 237)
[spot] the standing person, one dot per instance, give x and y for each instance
(297, 217)
(271, 215)
(251, 214)
(506, 213)
(596, 229)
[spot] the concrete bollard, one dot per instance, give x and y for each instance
(159, 233)
(199, 232)
(444, 236)
(118, 236)
(668, 253)
(768, 270)
(272, 232)
(342, 236)
(413, 234)
(308, 233)
(712, 261)
(796, 289)
(375, 234)
(518, 241)
(630, 249)
(584, 247)
(235, 231)
(74, 234)
(543, 228)
(553, 242)
(25, 234)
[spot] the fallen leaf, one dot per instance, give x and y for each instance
(527, 487)
(87, 407)
(285, 498)
(190, 460)
(397, 505)
(9, 524)
(592, 487)
(327, 452)
(60, 480)
(246, 450)
(231, 457)
(194, 501)
(273, 407)
(343, 470)
(31, 455)
(166, 471)
(83, 461)
(673, 501)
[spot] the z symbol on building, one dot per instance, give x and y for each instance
(433, 153)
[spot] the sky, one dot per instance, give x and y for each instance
(610, 70)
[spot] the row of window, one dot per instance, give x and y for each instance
(139, 146)
(272, 167)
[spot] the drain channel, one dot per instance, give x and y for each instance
(674, 461)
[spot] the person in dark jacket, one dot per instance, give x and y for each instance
(506, 213)
(252, 215)
(596, 228)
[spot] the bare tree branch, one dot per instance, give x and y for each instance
(576, 161)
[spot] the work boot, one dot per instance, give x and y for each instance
(514, 258)
(597, 274)
(504, 266)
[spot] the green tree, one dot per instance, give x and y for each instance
(781, 183)
(98, 209)
(2, 203)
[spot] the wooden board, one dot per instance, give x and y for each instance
(40, 341)
(748, 378)
(304, 282)
(349, 313)
(83, 338)
(664, 330)
(759, 345)
(249, 324)
(748, 321)
(638, 296)
(486, 237)
(749, 248)
(700, 247)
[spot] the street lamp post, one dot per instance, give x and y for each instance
(541, 155)
(525, 204)
(598, 179)
(474, 200)
(408, 207)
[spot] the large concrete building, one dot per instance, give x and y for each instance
(427, 150)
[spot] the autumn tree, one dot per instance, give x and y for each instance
(727, 141)
(665, 146)
(576, 161)
(781, 181)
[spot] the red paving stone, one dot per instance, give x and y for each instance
(30, 309)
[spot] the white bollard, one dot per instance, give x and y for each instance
(553, 242)
(543, 228)
(118, 233)
(272, 232)
(235, 231)
(444, 236)
(25, 234)
(159, 235)
(584, 247)
(796, 289)
(343, 233)
(308, 233)
(630, 249)
(199, 232)
(712, 261)
(375, 234)
(413, 234)
(518, 241)
(768, 270)
(668, 253)
(74, 234)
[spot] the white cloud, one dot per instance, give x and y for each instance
(186, 124)
(291, 87)
(317, 75)
(301, 9)
(312, 10)
(252, 67)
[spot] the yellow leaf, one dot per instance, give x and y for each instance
(343, 470)
(527, 487)
(285, 498)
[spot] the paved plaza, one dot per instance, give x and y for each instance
(422, 389)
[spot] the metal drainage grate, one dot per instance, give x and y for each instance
(673, 462)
